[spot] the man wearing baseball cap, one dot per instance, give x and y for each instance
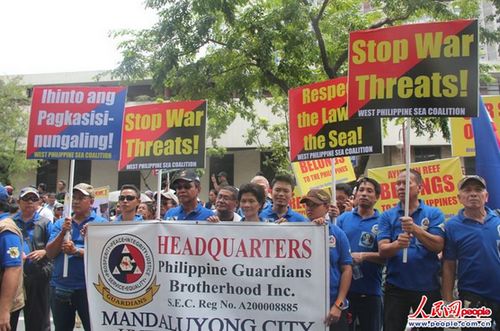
(68, 294)
(168, 200)
(35, 229)
(317, 202)
(11, 267)
(473, 242)
(187, 187)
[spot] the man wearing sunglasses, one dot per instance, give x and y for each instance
(187, 186)
(317, 202)
(37, 267)
(68, 294)
(129, 200)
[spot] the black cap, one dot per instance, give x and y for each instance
(186, 175)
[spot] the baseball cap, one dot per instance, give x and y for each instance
(222, 173)
(58, 205)
(186, 175)
(317, 196)
(467, 179)
(4, 196)
(86, 189)
(169, 195)
(28, 190)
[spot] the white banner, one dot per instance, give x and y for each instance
(200, 276)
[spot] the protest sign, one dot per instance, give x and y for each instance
(76, 122)
(168, 135)
(439, 188)
(184, 276)
(462, 136)
(101, 201)
(320, 127)
(295, 201)
(427, 69)
(318, 173)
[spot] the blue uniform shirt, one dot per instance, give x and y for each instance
(340, 254)
(420, 273)
(27, 229)
(137, 218)
(362, 236)
(76, 270)
(476, 247)
(290, 215)
(199, 214)
(10, 250)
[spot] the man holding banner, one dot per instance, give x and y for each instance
(473, 242)
(317, 202)
(187, 187)
(422, 235)
(280, 211)
(69, 294)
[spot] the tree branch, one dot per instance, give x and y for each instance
(319, 38)
(343, 56)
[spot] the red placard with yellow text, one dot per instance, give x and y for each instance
(439, 188)
(415, 70)
(320, 127)
(168, 135)
(462, 135)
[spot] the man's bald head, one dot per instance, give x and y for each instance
(262, 181)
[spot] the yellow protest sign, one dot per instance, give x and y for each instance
(318, 173)
(439, 188)
(295, 202)
(462, 136)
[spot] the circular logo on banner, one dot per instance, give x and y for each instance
(127, 268)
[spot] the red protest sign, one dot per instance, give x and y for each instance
(320, 126)
(428, 69)
(164, 136)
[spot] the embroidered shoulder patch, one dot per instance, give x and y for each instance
(13, 252)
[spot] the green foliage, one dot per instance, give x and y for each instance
(234, 53)
(13, 128)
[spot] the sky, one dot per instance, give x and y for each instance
(51, 36)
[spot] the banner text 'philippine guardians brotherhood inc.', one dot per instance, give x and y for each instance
(203, 276)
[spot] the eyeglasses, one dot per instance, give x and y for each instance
(311, 204)
(32, 198)
(127, 197)
(185, 186)
(224, 198)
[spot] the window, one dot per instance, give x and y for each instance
(427, 153)
(83, 171)
(47, 173)
(129, 177)
(226, 164)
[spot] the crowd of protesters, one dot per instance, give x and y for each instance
(364, 245)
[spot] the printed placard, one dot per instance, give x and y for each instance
(320, 126)
(76, 122)
(185, 276)
(462, 135)
(427, 69)
(167, 135)
(439, 188)
(318, 173)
